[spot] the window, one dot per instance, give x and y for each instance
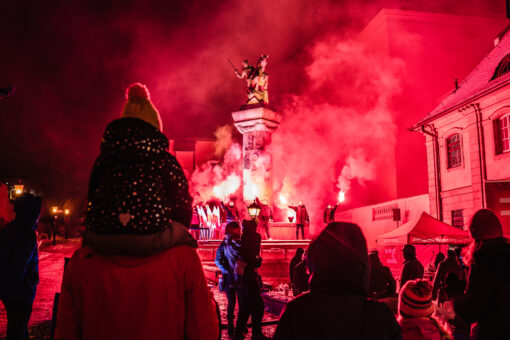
(458, 218)
(454, 152)
(502, 134)
(503, 67)
(384, 212)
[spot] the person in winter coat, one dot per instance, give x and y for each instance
(265, 215)
(412, 268)
(302, 218)
(486, 301)
(226, 258)
(19, 265)
(449, 265)
(336, 307)
(250, 299)
(137, 276)
(232, 215)
(416, 308)
(382, 284)
(298, 257)
(138, 198)
(301, 277)
(439, 258)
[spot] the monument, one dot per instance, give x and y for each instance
(256, 122)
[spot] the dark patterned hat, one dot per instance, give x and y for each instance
(136, 185)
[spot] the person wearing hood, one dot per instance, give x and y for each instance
(19, 265)
(449, 265)
(412, 268)
(382, 284)
(137, 275)
(337, 307)
(486, 301)
(297, 258)
(226, 258)
(250, 299)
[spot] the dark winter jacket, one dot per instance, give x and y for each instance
(300, 280)
(298, 257)
(136, 185)
(336, 306)
(411, 270)
(250, 245)
(19, 261)
(487, 297)
(450, 265)
(382, 284)
(227, 256)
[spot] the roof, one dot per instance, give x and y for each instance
(424, 230)
(478, 82)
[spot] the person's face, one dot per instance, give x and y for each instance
(264, 202)
(300, 203)
(231, 204)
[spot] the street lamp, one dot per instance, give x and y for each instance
(18, 189)
(67, 212)
(254, 210)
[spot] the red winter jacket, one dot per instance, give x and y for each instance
(162, 296)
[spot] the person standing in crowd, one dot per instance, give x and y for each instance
(450, 265)
(250, 299)
(298, 273)
(302, 218)
(232, 215)
(336, 307)
(265, 215)
(297, 258)
(19, 265)
(137, 275)
(486, 301)
(416, 308)
(412, 268)
(382, 284)
(226, 258)
(301, 278)
(439, 258)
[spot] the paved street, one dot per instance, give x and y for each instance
(51, 268)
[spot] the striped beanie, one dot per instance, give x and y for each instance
(415, 299)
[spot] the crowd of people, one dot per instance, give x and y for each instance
(137, 274)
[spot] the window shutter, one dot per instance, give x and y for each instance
(497, 137)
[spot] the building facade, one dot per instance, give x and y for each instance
(468, 143)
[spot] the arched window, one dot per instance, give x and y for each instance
(503, 67)
(502, 134)
(454, 151)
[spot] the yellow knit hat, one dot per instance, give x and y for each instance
(139, 105)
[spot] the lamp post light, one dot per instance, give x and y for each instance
(18, 189)
(254, 211)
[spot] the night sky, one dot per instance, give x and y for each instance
(71, 62)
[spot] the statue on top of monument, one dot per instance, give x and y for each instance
(256, 80)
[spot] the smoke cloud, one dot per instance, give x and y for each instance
(341, 129)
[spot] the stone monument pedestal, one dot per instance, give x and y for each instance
(257, 124)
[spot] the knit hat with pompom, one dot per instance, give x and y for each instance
(139, 105)
(415, 299)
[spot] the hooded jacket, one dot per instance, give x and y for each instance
(336, 306)
(19, 261)
(162, 296)
(487, 298)
(227, 256)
